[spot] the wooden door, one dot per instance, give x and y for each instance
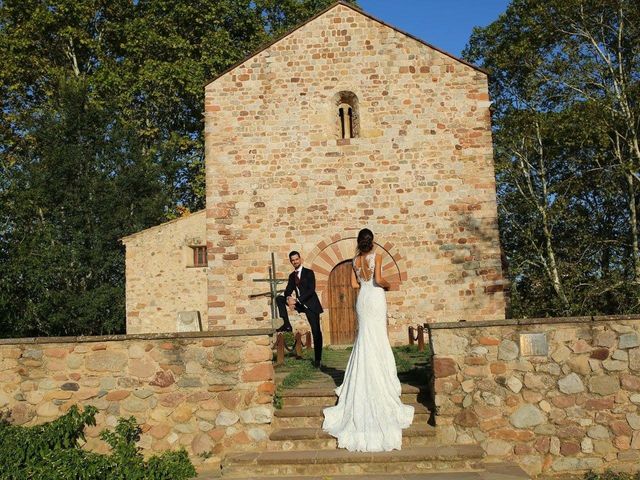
(342, 304)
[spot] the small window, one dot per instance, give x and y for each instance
(199, 256)
(348, 118)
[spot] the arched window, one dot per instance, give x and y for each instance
(348, 118)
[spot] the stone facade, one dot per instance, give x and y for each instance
(160, 277)
(575, 409)
(209, 393)
(419, 171)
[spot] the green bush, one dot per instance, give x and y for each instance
(609, 475)
(51, 451)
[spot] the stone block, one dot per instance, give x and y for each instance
(497, 448)
(106, 361)
(446, 343)
(256, 415)
(634, 420)
(598, 432)
(604, 384)
(621, 355)
(572, 464)
(259, 373)
(586, 446)
(614, 365)
(527, 416)
(600, 354)
(444, 367)
(257, 434)
(188, 321)
(258, 354)
(561, 354)
(508, 350)
(202, 444)
(634, 359)
(580, 365)
(514, 384)
(606, 339)
(628, 340)
(227, 418)
(570, 384)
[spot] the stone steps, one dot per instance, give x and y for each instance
(309, 438)
(497, 471)
(298, 449)
(332, 462)
(312, 417)
(326, 396)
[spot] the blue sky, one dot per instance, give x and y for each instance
(444, 24)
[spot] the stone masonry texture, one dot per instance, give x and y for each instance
(573, 410)
(420, 173)
(209, 394)
(160, 278)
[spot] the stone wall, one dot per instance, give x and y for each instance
(420, 174)
(208, 393)
(160, 277)
(575, 409)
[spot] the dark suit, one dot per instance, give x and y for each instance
(307, 302)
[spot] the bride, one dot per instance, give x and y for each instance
(369, 416)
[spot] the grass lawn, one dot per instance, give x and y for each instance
(299, 372)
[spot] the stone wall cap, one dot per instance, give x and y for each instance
(514, 322)
(139, 336)
(355, 9)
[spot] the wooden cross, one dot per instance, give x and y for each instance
(273, 288)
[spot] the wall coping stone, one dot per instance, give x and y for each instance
(514, 322)
(248, 332)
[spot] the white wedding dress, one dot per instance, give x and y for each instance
(369, 416)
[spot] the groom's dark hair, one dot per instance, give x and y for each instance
(293, 253)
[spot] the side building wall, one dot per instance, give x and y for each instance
(161, 280)
(420, 173)
(210, 393)
(573, 409)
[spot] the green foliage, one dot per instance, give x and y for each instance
(298, 370)
(101, 136)
(564, 78)
(52, 452)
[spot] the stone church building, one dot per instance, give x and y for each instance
(343, 123)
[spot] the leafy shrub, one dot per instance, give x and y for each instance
(51, 451)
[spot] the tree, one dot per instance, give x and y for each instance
(564, 76)
(101, 136)
(85, 184)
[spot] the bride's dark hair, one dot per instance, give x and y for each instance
(365, 240)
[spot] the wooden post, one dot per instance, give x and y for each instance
(410, 335)
(420, 338)
(280, 349)
(298, 345)
(307, 340)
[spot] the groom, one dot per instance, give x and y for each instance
(302, 281)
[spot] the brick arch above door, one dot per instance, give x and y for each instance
(332, 251)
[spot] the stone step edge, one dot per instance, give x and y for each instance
(330, 392)
(310, 433)
(316, 410)
(485, 471)
(319, 457)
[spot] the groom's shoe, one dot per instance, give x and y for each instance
(317, 365)
(284, 328)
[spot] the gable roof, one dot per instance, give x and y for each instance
(357, 10)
